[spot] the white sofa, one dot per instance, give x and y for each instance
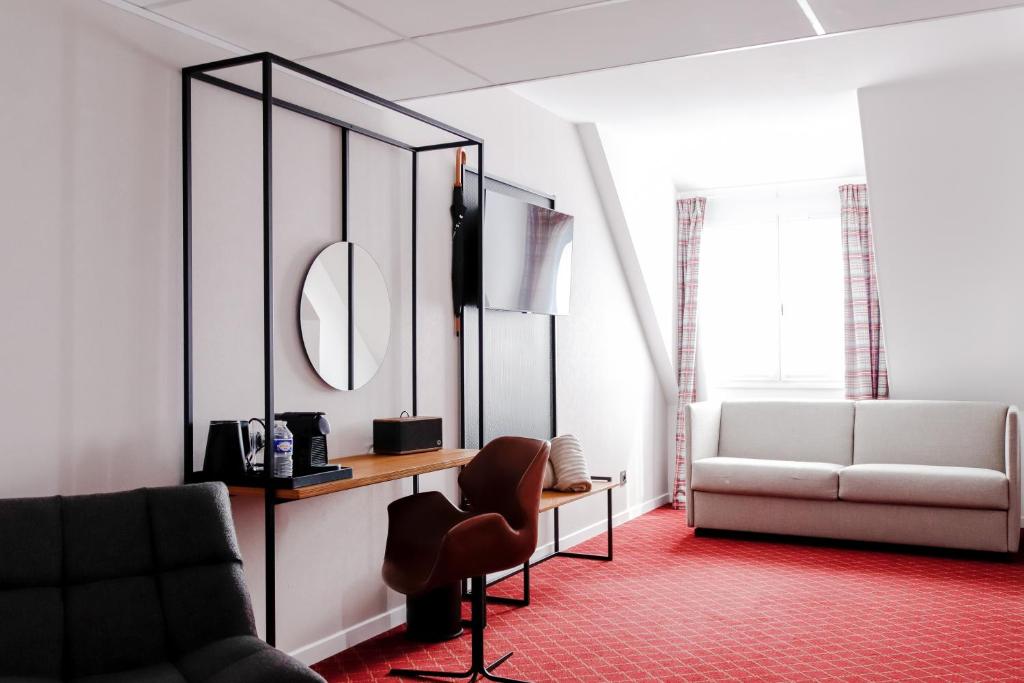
(939, 473)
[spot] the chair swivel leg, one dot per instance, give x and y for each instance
(478, 668)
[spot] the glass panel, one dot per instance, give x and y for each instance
(739, 301)
(812, 295)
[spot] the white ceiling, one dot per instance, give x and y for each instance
(408, 48)
(778, 113)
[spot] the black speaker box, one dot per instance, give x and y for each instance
(402, 435)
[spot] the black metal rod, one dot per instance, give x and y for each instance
(415, 484)
(268, 348)
(198, 69)
(556, 529)
(350, 264)
(582, 556)
(479, 617)
(554, 370)
(351, 317)
(443, 145)
(609, 492)
(365, 95)
(415, 389)
(554, 378)
(480, 270)
(344, 184)
(304, 111)
(186, 276)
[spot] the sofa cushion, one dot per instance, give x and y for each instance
(201, 583)
(953, 433)
(243, 658)
(114, 625)
(760, 477)
(31, 632)
(819, 431)
(163, 672)
(31, 538)
(204, 604)
(106, 536)
(31, 604)
(933, 485)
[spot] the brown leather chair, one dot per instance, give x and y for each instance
(432, 544)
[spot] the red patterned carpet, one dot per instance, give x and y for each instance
(677, 607)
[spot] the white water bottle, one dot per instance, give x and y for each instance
(283, 443)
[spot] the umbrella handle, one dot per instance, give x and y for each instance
(460, 160)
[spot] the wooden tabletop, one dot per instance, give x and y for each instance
(549, 499)
(371, 468)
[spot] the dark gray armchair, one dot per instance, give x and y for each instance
(141, 586)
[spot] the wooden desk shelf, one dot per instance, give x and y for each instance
(368, 469)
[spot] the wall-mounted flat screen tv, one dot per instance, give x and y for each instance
(527, 256)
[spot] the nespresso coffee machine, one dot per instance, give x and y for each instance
(310, 431)
(232, 445)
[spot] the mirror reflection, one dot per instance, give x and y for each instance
(345, 316)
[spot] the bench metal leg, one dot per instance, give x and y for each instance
(607, 557)
(525, 569)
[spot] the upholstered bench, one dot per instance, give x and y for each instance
(142, 586)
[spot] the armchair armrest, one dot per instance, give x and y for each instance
(480, 545)
(415, 519)
(701, 424)
(1013, 474)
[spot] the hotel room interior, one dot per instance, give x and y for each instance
(549, 340)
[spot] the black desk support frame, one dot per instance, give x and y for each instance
(270, 64)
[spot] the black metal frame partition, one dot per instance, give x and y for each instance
(269, 63)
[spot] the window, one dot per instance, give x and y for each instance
(771, 288)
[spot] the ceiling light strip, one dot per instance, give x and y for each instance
(805, 7)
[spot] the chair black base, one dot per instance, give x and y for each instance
(434, 616)
(478, 670)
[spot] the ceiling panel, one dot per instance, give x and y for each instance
(847, 15)
(420, 17)
(151, 3)
(297, 28)
(396, 71)
(619, 33)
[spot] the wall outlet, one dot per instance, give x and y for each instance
(622, 478)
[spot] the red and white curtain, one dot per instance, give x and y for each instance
(691, 221)
(867, 375)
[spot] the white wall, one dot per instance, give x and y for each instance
(91, 351)
(648, 198)
(944, 169)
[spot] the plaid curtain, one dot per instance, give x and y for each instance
(867, 375)
(691, 220)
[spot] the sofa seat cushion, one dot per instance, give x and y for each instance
(760, 477)
(156, 673)
(244, 659)
(933, 485)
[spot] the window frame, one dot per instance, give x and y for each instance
(779, 381)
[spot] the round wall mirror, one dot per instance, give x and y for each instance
(345, 316)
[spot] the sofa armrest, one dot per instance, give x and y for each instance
(1013, 474)
(702, 422)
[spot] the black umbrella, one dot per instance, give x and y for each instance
(458, 211)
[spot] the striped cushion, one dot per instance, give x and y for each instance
(571, 472)
(549, 475)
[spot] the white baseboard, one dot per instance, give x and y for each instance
(364, 630)
(353, 635)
